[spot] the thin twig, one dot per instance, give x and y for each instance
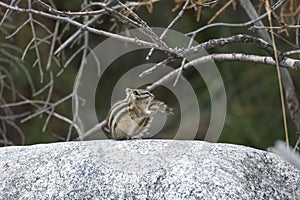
(54, 38)
(79, 75)
(8, 11)
(289, 88)
(37, 52)
(276, 27)
(73, 36)
(90, 29)
(240, 38)
(147, 30)
(220, 11)
(297, 31)
(150, 70)
(48, 108)
(246, 24)
(92, 130)
(70, 60)
(18, 29)
(278, 74)
(183, 62)
(169, 26)
(35, 104)
(288, 53)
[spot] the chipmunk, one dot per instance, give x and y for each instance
(131, 117)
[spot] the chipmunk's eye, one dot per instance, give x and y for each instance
(135, 92)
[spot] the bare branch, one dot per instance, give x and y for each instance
(169, 26)
(85, 27)
(150, 70)
(289, 88)
(288, 63)
(231, 25)
(34, 37)
(54, 38)
(183, 62)
(275, 27)
(97, 127)
(18, 29)
(213, 43)
(76, 86)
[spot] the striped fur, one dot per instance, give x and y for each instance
(131, 118)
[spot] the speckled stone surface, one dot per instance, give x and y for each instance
(144, 169)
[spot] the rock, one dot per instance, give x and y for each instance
(144, 169)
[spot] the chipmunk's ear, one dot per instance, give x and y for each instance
(128, 91)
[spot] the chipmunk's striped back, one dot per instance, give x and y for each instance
(132, 117)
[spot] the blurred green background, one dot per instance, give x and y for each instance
(254, 115)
